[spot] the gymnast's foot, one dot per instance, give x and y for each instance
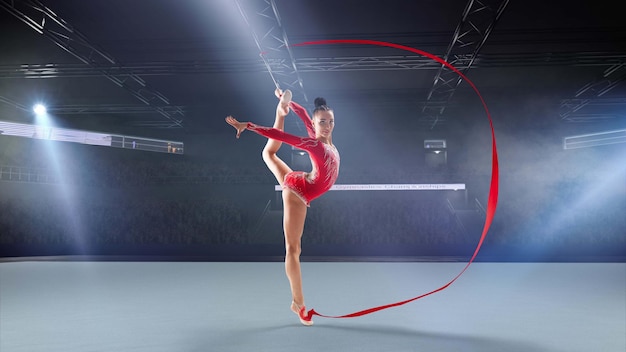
(285, 99)
(301, 312)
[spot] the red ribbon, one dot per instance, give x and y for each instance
(493, 189)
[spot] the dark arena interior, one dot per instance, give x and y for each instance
(132, 219)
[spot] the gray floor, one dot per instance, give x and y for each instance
(171, 306)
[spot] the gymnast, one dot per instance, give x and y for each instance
(299, 187)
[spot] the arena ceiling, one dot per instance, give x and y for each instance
(179, 65)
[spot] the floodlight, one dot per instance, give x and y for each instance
(39, 109)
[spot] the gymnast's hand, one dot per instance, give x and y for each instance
(239, 126)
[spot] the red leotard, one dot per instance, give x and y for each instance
(324, 158)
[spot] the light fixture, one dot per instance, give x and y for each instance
(39, 109)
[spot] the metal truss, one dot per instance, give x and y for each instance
(271, 39)
(308, 64)
(157, 68)
(570, 109)
(110, 109)
(391, 63)
(44, 21)
(117, 109)
(477, 22)
(14, 104)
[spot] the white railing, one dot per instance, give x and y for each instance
(26, 174)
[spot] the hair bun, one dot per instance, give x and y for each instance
(320, 102)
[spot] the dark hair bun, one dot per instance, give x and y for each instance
(320, 102)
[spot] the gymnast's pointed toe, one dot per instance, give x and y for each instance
(301, 312)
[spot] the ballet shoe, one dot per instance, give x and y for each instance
(285, 98)
(283, 104)
(301, 312)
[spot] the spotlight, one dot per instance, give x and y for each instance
(39, 109)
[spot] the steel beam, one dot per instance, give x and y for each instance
(271, 39)
(477, 22)
(268, 32)
(14, 104)
(570, 109)
(46, 22)
(308, 64)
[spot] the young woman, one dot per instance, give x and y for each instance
(299, 187)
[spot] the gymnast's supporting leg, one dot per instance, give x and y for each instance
(293, 223)
(294, 208)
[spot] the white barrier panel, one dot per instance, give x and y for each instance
(92, 138)
(594, 139)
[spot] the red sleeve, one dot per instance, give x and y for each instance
(304, 116)
(273, 133)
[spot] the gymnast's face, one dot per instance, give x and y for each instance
(324, 123)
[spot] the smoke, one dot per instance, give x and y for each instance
(547, 194)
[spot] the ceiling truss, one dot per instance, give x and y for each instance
(264, 22)
(311, 64)
(571, 110)
(477, 22)
(263, 19)
(46, 22)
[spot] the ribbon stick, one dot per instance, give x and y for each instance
(269, 70)
(493, 188)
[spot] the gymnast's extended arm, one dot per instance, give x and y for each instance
(268, 132)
